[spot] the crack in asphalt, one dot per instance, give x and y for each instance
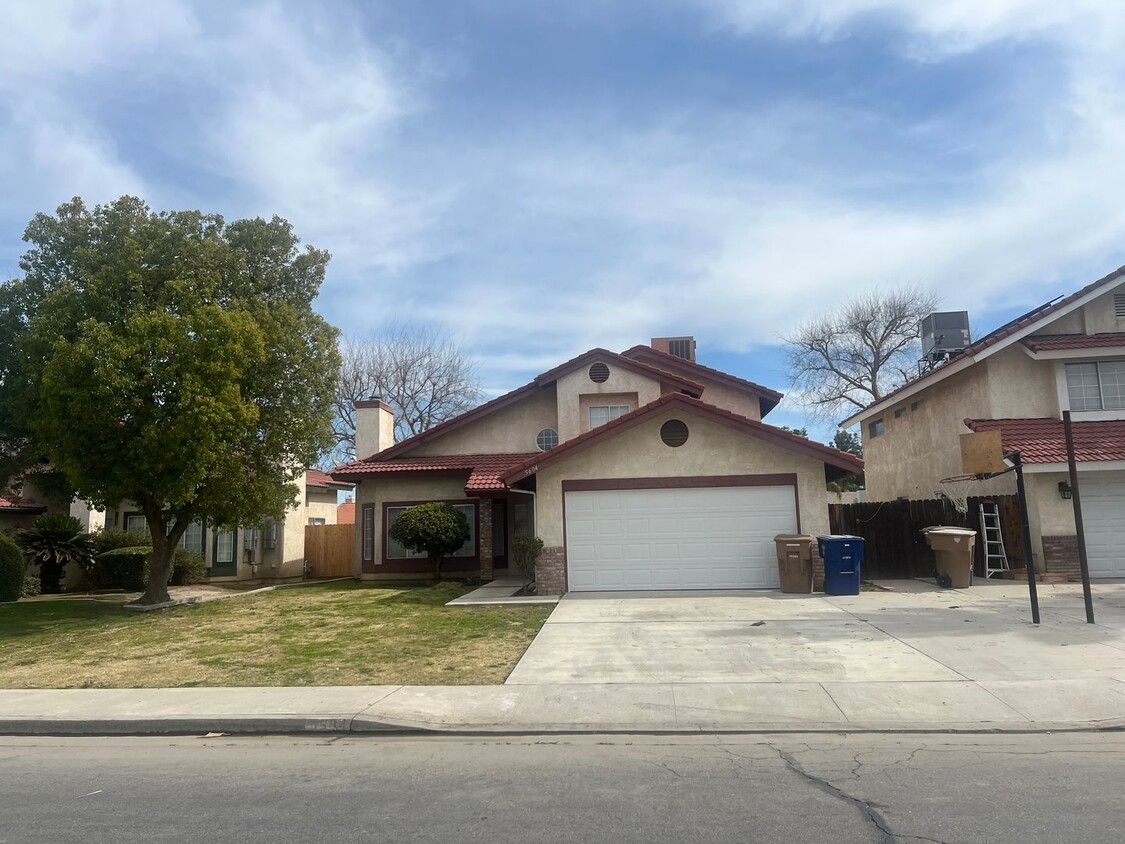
(868, 811)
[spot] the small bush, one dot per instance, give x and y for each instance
(11, 570)
(122, 568)
(31, 586)
(112, 538)
(524, 553)
(435, 529)
(187, 568)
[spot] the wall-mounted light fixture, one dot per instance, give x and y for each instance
(1065, 491)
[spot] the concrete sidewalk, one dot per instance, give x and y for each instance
(1047, 705)
(911, 659)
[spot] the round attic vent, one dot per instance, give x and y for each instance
(674, 433)
(599, 372)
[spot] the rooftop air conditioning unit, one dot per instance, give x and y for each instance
(945, 334)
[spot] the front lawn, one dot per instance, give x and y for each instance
(335, 634)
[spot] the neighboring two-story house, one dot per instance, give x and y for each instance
(641, 470)
(1066, 355)
(274, 550)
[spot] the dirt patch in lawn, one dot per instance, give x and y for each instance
(336, 634)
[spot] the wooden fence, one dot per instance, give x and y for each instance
(895, 547)
(330, 550)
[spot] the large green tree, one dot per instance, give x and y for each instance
(168, 359)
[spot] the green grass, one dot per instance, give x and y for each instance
(336, 634)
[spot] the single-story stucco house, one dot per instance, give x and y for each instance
(641, 470)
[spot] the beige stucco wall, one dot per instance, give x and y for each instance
(382, 490)
(511, 430)
(1019, 386)
(923, 446)
(1099, 317)
(711, 449)
(321, 504)
(572, 421)
(731, 399)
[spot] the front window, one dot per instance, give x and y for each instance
(224, 547)
(135, 523)
(318, 521)
(600, 414)
(1096, 386)
(395, 551)
(876, 428)
(369, 531)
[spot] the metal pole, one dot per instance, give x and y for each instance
(1076, 499)
(1033, 593)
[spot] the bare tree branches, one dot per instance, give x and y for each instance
(847, 359)
(422, 373)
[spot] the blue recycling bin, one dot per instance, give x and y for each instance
(843, 557)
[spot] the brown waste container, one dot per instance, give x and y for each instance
(954, 548)
(794, 561)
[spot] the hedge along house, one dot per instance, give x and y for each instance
(639, 471)
(274, 550)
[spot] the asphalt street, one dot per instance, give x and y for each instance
(755, 788)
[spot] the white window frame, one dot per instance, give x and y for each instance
(391, 552)
(317, 521)
(1066, 401)
(222, 537)
(612, 411)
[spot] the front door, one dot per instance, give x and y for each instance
(224, 559)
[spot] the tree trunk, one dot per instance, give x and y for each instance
(156, 590)
(435, 564)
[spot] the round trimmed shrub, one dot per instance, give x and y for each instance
(11, 570)
(113, 538)
(122, 568)
(31, 586)
(187, 568)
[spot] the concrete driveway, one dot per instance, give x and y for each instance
(915, 633)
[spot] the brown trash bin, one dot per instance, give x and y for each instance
(794, 562)
(954, 549)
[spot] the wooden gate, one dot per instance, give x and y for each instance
(895, 547)
(330, 550)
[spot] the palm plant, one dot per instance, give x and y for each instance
(55, 541)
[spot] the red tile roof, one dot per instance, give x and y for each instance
(1029, 319)
(345, 513)
(1067, 342)
(11, 503)
(485, 470)
(317, 478)
(540, 381)
(770, 398)
(1042, 440)
(840, 460)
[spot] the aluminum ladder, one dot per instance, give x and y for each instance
(995, 557)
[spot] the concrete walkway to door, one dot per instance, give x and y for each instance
(919, 649)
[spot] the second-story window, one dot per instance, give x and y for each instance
(876, 428)
(600, 414)
(1096, 386)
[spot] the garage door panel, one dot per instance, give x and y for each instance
(692, 538)
(1103, 517)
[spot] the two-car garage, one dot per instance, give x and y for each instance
(668, 537)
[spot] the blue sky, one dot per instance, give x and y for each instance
(543, 178)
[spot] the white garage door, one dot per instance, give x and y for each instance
(699, 538)
(1103, 516)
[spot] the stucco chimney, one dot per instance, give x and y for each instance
(681, 347)
(374, 427)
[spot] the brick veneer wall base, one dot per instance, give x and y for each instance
(1060, 555)
(484, 526)
(550, 572)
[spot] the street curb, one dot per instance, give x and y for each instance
(354, 725)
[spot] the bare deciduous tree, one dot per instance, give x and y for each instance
(421, 372)
(848, 358)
